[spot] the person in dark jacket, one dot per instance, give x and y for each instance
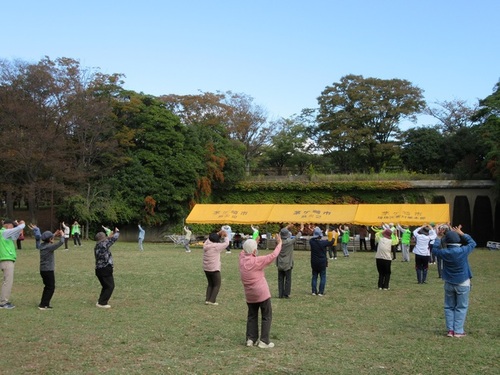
(449, 246)
(319, 261)
(37, 234)
(284, 261)
(47, 266)
(104, 266)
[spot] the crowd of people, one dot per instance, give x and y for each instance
(10, 232)
(445, 244)
(449, 245)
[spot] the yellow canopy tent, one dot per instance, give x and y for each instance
(230, 213)
(312, 213)
(406, 214)
(367, 214)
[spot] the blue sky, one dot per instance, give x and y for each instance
(282, 53)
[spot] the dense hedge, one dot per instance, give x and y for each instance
(340, 192)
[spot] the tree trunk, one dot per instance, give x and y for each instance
(9, 202)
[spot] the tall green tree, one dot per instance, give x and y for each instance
(235, 114)
(423, 150)
(165, 160)
(358, 119)
(289, 149)
(462, 154)
(488, 114)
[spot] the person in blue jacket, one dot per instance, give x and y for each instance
(37, 234)
(449, 247)
(142, 234)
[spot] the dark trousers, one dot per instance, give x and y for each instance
(213, 287)
(373, 245)
(421, 265)
(66, 243)
(384, 273)
(394, 249)
(439, 262)
(105, 276)
(362, 243)
(332, 251)
(76, 239)
(49, 282)
(253, 320)
(284, 283)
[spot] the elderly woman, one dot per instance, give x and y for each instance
(423, 235)
(284, 262)
(456, 275)
(383, 259)
(212, 264)
(257, 293)
(104, 266)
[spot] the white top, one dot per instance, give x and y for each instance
(422, 242)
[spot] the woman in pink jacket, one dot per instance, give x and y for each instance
(257, 292)
(211, 264)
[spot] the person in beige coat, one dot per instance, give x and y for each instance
(383, 258)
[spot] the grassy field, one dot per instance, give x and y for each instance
(159, 323)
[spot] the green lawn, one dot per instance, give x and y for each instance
(159, 323)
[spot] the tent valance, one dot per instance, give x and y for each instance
(312, 213)
(367, 214)
(405, 214)
(230, 213)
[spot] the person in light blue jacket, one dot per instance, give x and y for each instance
(449, 247)
(142, 234)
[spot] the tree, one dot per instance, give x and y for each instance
(461, 146)
(165, 160)
(452, 115)
(247, 124)
(242, 121)
(488, 114)
(423, 150)
(32, 136)
(358, 119)
(58, 129)
(289, 148)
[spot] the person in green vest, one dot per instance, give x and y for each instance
(405, 241)
(75, 232)
(377, 235)
(255, 233)
(344, 240)
(107, 231)
(8, 236)
(394, 240)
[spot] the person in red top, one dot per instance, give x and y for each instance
(257, 293)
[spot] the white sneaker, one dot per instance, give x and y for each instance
(263, 345)
(103, 306)
(250, 343)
